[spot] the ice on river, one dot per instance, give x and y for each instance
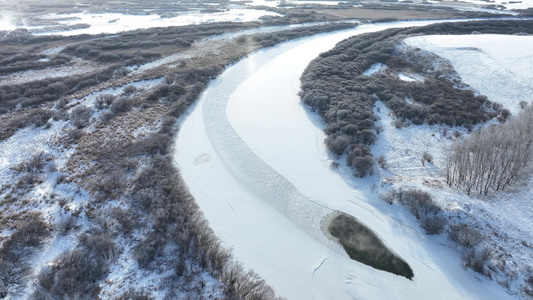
(255, 162)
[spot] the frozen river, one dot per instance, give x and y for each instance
(255, 161)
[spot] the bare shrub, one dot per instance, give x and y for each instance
(35, 163)
(378, 129)
(477, 260)
(118, 72)
(338, 143)
(245, 285)
(367, 137)
(108, 57)
(99, 245)
(75, 134)
(528, 288)
(73, 275)
(63, 201)
(382, 162)
(168, 125)
(389, 196)
(419, 203)
(504, 115)
(334, 166)
(108, 184)
(61, 103)
(30, 179)
(80, 116)
(362, 166)
(148, 250)
(465, 236)
(134, 295)
(104, 100)
(121, 105)
(37, 117)
(399, 123)
(107, 116)
(128, 90)
(29, 233)
(427, 157)
(66, 225)
(434, 224)
(125, 219)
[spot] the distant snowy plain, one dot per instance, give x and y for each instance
(265, 112)
(116, 22)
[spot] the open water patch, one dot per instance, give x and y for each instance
(362, 245)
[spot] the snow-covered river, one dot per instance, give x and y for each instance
(255, 161)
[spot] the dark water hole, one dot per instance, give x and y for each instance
(364, 246)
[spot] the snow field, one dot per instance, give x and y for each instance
(499, 66)
(115, 22)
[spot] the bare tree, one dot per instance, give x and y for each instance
(492, 158)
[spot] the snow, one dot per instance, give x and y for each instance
(114, 22)
(375, 68)
(75, 67)
(273, 153)
(404, 77)
(488, 62)
(269, 3)
(24, 144)
(520, 4)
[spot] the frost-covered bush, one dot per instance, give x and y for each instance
(35, 163)
(477, 259)
(37, 117)
(362, 166)
(14, 265)
(419, 203)
(104, 100)
(338, 143)
(80, 116)
(465, 236)
(75, 134)
(65, 225)
(107, 116)
(128, 90)
(121, 105)
(73, 274)
(434, 224)
(382, 162)
(99, 245)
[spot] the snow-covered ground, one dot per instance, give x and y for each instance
(115, 22)
(75, 67)
(499, 66)
(520, 4)
(283, 139)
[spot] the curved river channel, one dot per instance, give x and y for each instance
(254, 160)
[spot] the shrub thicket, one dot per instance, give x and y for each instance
(421, 205)
(334, 86)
